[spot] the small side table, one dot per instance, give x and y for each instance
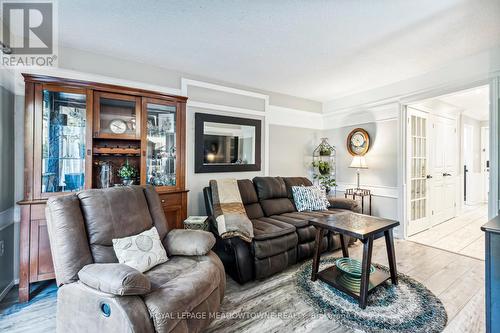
(362, 193)
(196, 223)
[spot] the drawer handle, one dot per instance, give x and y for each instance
(162, 200)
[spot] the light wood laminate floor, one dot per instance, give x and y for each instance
(461, 234)
(456, 279)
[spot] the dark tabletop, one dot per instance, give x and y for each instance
(492, 225)
(356, 225)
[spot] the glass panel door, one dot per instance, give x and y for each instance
(161, 138)
(417, 171)
(63, 141)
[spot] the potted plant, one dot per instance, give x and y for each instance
(127, 173)
(326, 181)
(323, 167)
(325, 151)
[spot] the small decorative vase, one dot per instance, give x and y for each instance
(127, 182)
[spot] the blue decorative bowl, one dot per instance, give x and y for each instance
(351, 267)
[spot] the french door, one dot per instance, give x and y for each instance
(443, 169)
(417, 171)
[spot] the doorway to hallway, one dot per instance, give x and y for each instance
(448, 170)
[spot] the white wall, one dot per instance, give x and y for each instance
(381, 175)
(290, 150)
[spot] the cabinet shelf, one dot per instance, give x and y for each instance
(116, 151)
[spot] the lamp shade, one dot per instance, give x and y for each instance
(358, 162)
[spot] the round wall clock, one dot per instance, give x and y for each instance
(117, 126)
(358, 142)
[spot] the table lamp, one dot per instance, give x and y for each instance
(358, 162)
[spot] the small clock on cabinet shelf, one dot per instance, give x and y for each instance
(117, 126)
(358, 142)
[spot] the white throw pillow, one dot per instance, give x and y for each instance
(142, 252)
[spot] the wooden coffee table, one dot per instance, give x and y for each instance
(365, 228)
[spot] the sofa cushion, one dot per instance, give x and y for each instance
(247, 191)
(272, 265)
(254, 211)
(272, 195)
(277, 206)
(68, 238)
(271, 247)
(270, 187)
(306, 234)
(296, 221)
(156, 211)
(268, 228)
(250, 199)
(179, 286)
(295, 181)
(113, 213)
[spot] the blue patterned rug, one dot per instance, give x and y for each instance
(407, 307)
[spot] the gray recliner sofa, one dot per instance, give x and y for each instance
(97, 294)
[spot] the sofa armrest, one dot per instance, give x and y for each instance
(181, 242)
(344, 203)
(116, 279)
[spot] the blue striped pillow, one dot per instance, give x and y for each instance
(309, 198)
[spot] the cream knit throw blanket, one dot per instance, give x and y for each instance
(229, 212)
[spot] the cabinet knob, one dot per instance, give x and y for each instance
(162, 200)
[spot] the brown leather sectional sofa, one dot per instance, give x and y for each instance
(282, 235)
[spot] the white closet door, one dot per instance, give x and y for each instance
(418, 158)
(444, 150)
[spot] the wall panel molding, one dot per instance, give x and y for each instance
(376, 190)
(295, 118)
(6, 218)
(362, 115)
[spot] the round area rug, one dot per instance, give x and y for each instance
(407, 307)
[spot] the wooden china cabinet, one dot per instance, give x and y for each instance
(77, 135)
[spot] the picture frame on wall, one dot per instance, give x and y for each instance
(227, 144)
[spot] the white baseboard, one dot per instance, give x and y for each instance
(6, 290)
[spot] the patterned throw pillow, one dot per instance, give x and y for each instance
(142, 252)
(309, 198)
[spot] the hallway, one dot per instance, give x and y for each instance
(461, 234)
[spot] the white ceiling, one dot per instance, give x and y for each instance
(474, 102)
(313, 49)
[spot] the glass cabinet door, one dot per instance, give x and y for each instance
(117, 116)
(161, 141)
(63, 141)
